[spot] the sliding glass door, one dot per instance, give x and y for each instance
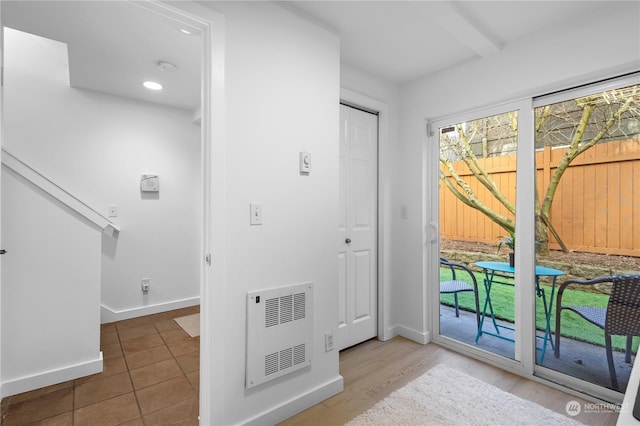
(567, 166)
(477, 176)
(588, 225)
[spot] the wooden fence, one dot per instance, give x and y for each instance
(596, 208)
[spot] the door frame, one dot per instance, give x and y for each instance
(525, 352)
(356, 99)
(524, 361)
(213, 265)
(213, 142)
(1, 138)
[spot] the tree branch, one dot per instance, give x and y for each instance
(469, 198)
(481, 173)
(576, 149)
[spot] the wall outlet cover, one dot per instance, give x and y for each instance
(329, 341)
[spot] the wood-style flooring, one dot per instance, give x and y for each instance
(374, 369)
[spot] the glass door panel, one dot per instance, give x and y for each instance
(588, 227)
(477, 225)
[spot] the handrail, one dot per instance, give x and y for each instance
(50, 187)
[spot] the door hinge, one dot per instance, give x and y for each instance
(207, 259)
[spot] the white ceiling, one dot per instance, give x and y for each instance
(399, 41)
(115, 45)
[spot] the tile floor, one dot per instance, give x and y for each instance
(151, 377)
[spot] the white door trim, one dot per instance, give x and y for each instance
(385, 331)
(1, 122)
(213, 241)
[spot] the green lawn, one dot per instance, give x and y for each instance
(573, 325)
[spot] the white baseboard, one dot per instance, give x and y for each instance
(299, 403)
(108, 315)
(52, 377)
(417, 336)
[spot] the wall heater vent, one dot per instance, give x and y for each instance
(279, 332)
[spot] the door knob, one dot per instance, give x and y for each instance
(3, 251)
(348, 241)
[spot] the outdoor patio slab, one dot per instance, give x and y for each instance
(578, 359)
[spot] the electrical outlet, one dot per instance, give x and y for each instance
(328, 341)
(144, 284)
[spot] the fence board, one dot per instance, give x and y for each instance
(613, 206)
(634, 229)
(626, 204)
(578, 206)
(589, 207)
(601, 193)
(596, 208)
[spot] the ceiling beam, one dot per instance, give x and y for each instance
(449, 17)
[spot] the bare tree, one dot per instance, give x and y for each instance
(578, 125)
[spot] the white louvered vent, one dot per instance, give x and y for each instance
(279, 332)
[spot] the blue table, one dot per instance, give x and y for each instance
(494, 272)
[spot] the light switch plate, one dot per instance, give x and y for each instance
(255, 210)
(404, 212)
(305, 162)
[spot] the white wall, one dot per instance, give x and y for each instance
(43, 342)
(282, 93)
(97, 147)
(582, 50)
(51, 328)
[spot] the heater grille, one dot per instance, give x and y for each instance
(272, 312)
(279, 330)
(279, 310)
(299, 356)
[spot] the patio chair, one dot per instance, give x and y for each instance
(455, 285)
(620, 317)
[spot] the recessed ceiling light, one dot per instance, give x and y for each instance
(152, 85)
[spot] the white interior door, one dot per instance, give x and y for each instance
(357, 228)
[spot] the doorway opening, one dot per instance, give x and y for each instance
(133, 138)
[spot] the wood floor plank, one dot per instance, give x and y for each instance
(374, 369)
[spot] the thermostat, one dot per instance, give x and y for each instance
(149, 183)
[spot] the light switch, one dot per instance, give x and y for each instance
(305, 162)
(404, 212)
(256, 213)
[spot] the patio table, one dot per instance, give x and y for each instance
(496, 273)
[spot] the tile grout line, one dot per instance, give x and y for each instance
(133, 388)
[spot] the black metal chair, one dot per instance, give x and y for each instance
(455, 285)
(621, 317)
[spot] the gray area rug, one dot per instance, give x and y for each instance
(444, 396)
